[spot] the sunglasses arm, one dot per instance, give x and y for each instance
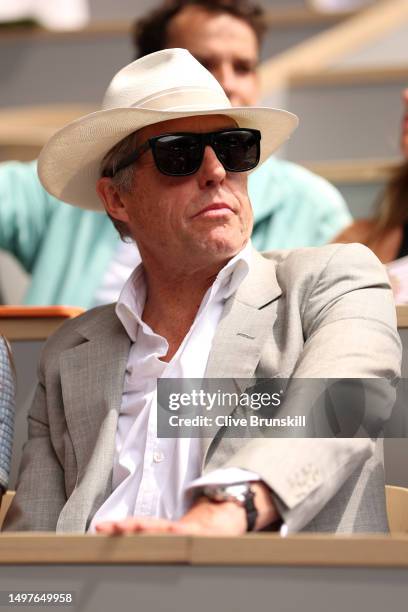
(132, 158)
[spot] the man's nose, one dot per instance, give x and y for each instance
(211, 171)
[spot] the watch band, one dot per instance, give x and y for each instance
(250, 508)
(239, 493)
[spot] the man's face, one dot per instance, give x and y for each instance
(189, 221)
(404, 126)
(225, 45)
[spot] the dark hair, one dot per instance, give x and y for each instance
(392, 207)
(149, 34)
(122, 179)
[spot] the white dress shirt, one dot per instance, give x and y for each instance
(124, 261)
(151, 474)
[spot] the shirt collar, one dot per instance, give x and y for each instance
(130, 305)
(233, 273)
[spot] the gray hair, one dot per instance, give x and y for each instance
(122, 179)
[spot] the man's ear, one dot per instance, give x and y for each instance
(111, 198)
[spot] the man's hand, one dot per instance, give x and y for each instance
(204, 518)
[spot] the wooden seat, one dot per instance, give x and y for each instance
(397, 508)
(5, 504)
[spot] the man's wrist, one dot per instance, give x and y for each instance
(240, 494)
(233, 513)
(218, 517)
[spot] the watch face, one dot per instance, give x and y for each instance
(235, 492)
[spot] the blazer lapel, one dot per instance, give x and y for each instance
(241, 333)
(92, 376)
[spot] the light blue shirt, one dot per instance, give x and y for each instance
(67, 249)
(294, 207)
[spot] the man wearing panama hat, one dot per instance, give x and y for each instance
(167, 158)
(292, 207)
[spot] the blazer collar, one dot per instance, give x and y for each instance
(260, 287)
(240, 334)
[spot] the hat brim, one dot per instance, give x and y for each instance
(69, 164)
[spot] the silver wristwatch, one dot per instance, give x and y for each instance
(239, 493)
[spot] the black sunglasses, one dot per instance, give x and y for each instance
(181, 153)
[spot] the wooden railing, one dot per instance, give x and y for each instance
(350, 76)
(34, 322)
(322, 50)
(355, 171)
(276, 17)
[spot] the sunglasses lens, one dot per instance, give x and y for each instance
(182, 154)
(237, 150)
(178, 154)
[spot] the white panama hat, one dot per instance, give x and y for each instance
(168, 84)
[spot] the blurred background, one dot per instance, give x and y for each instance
(339, 64)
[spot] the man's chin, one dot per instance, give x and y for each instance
(222, 247)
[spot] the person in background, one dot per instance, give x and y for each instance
(7, 397)
(168, 159)
(292, 206)
(387, 232)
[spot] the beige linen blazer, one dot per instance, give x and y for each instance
(315, 312)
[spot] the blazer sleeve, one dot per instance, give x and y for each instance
(40, 494)
(349, 325)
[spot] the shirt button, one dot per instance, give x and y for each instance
(158, 457)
